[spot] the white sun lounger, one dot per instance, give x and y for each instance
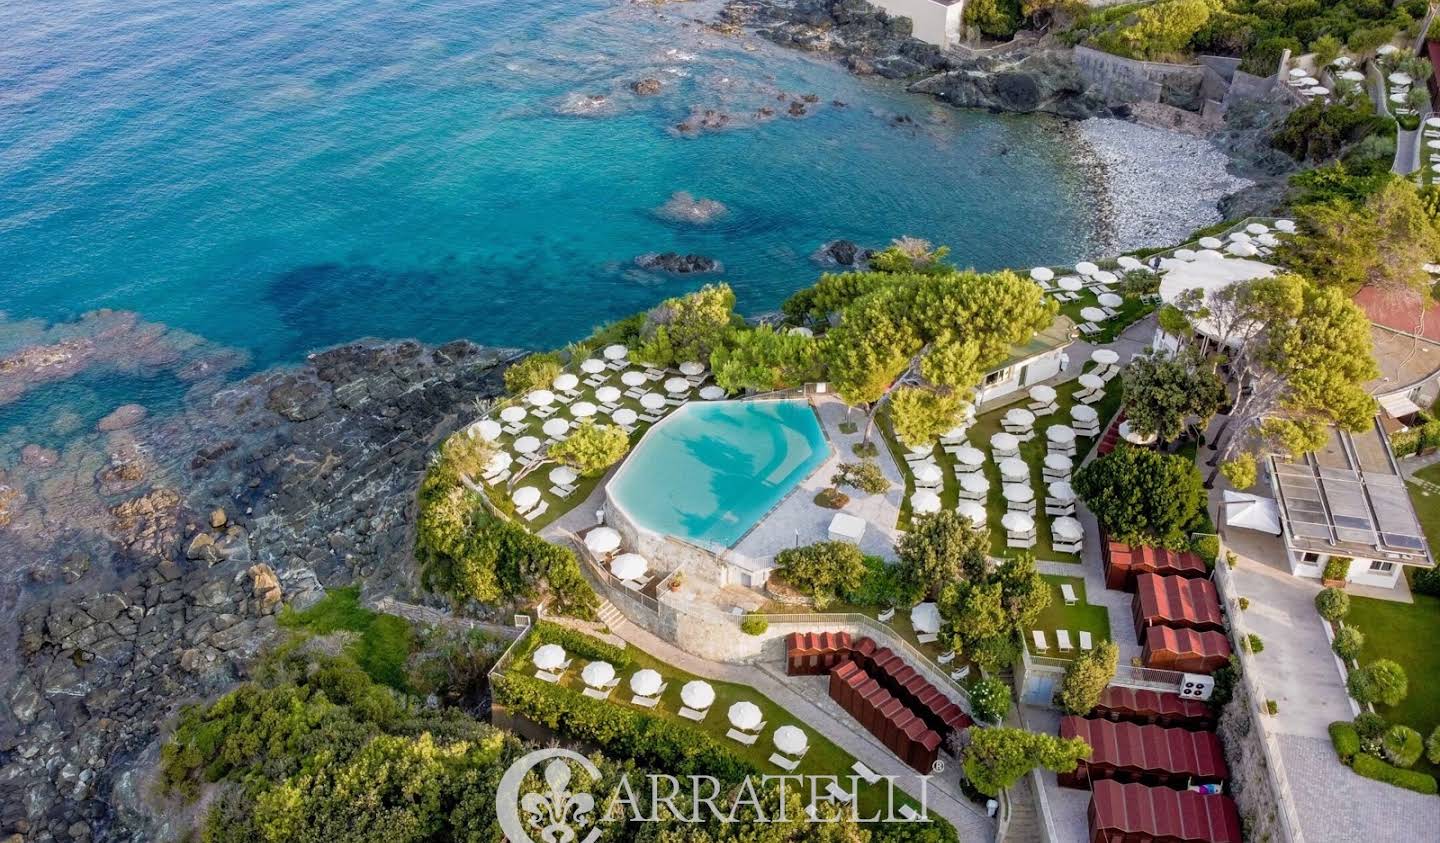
(886, 616)
(869, 775)
(927, 638)
(839, 794)
(1041, 645)
(1062, 640)
(691, 714)
(742, 737)
(547, 676)
(496, 479)
(1086, 644)
(786, 764)
(537, 511)
(1068, 592)
(910, 814)
(596, 693)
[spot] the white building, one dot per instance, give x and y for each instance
(1034, 362)
(933, 21)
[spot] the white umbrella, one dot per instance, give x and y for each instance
(527, 444)
(563, 475)
(1434, 144)
(1210, 243)
(1042, 273)
(548, 656)
(1238, 237)
(1093, 314)
(598, 674)
(583, 409)
(1257, 228)
(1105, 357)
(925, 617)
(690, 368)
(928, 472)
(1086, 268)
(1091, 381)
(1059, 463)
(1109, 300)
(1070, 284)
(498, 462)
(1067, 528)
(924, 502)
(1019, 416)
(970, 456)
(1252, 512)
(592, 366)
(625, 416)
(1309, 82)
(744, 715)
(1387, 50)
(1353, 76)
(1208, 255)
(1287, 226)
(1184, 254)
(673, 385)
(633, 378)
(697, 694)
(1060, 434)
(486, 429)
(800, 331)
(1130, 264)
(1061, 491)
(555, 427)
(1241, 250)
(646, 682)
(712, 392)
(1042, 393)
(790, 740)
(1268, 240)
(1398, 78)
(1398, 98)
(974, 510)
(607, 394)
(565, 382)
(602, 540)
(975, 484)
(1084, 413)
(526, 497)
(616, 352)
(1129, 434)
(512, 414)
(921, 450)
(1014, 470)
(541, 397)
(1297, 72)
(1017, 522)
(652, 400)
(629, 566)
(1432, 122)
(1003, 441)
(1105, 276)
(1018, 493)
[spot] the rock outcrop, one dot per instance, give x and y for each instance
(867, 38)
(678, 264)
(1039, 81)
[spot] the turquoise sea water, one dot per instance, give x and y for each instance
(279, 175)
(710, 471)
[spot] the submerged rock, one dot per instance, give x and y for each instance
(683, 207)
(841, 253)
(647, 87)
(678, 264)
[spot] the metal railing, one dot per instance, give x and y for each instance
(1127, 675)
(613, 585)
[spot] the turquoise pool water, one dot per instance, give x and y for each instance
(710, 471)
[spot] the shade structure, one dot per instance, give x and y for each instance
(1003, 441)
(1071, 284)
(697, 694)
(1061, 491)
(1059, 463)
(646, 682)
(1352, 76)
(1018, 493)
(1130, 263)
(652, 401)
(616, 352)
(1209, 255)
(1257, 228)
(691, 368)
(592, 366)
(928, 472)
(499, 461)
(548, 656)
(1084, 414)
(956, 432)
(1042, 273)
(1109, 300)
(486, 429)
(1017, 522)
(1067, 528)
(1093, 314)
(1179, 602)
(527, 445)
(1268, 240)
(791, 740)
(974, 510)
(925, 617)
(565, 381)
(1135, 437)
(607, 394)
(633, 378)
(1060, 434)
(924, 502)
(1210, 243)
(625, 416)
(673, 385)
(1086, 268)
(1252, 512)
(1153, 754)
(598, 674)
(1019, 416)
(1432, 122)
(1043, 393)
(744, 715)
(1124, 563)
(583, 409)
(525, 496)
(1137, 812)
(921, 450)
(1014, 470)
(712, 392)
(512, 414)
(1145, 707)
(602, 540)
(1105, 356)
(1434, 144)
(1398, 98)
(1309, 82)
(562, 475)
(969, 456)
(1184, 254)
(1287, 226)
(1105, 276)
(629, 566)
(1242, 250)
(555, 427)
(1298, 73)
(1091, 381)
(540, 397)
(975, 484)
(1400, 78)
(1387, 50)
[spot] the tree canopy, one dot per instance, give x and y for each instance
(765, 359)
(591, 448)
(1142, 496)
(688, 327)
(986, 612)
(534, 372)
(996, 758)
(1086, 678)
(1161, 393)
(824, 571)
(942, 548)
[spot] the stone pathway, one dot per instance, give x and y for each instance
(416, 613)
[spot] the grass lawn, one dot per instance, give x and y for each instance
(383, 643)
(1093, 619)
(1033, 452)
(1427, 506)
(1130, 311)
(1407, 634)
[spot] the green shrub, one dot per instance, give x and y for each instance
(1426, 582)
(1244, 603)
(831, 498)
(883, 585)
(1402, 745)
(990, 700)
(1373, 768)
(534, 372)
(754, 625)
(823, 570)
(577, 643)
(1345, 740)
(1432, 746)
(1337, 568)
(1370, 727)
(866, 450)
(1348, 643)
(1272, 707)
(1381, 681)
(1254, 644)
(1206, 547)
(1332, 604)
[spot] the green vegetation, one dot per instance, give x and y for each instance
(1403, 745)
(1422, 435)
(941, 549)
(764, 359)
(1162, 392)
(1241, 472)
(1254, 644)
(591, 448)
(754, 625)
(1321, 130)
(1393, 632)
(537, 371)
(1373, 768)
(997, 758)
(382, 642)
(990, 700)
(1086, 678)
(824, 571)
(984, 615)
(1083, 616)
(864, 475)
(1336, 568)
(1348, 643)
(688, 327)
(1382, 682)
(1345, 740)
(580, 645)
(1142, 496)
(1158, 31)
(1332, 604)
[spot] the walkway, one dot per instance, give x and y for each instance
(1407, 152)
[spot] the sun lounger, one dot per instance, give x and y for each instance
(784, 763)
(1062, 640)
(945, 658)
(634, 585)
(910, 814)
(547, 676)
(1040, 409)
(963, 672)
(692, 714)
(595, 381)
(566, 397)
(927, 638)
(1068, 592)
(838, 793)
(869, 775)
(886, 616)
(562, 491)
(1068, 547)
(649, 417)
(537, 511)
(742, 737)
(1092, 397)
(1022, 542)
(1085, 642)
(646, 702)
(1054, 507)
(635, 392)
(496, 479)
(596, 693)
(1089, 329)
(617, 365)
(654, 374)
(514, 429)
(1041, 645)
(914, 458)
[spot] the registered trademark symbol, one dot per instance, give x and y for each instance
(938, 766)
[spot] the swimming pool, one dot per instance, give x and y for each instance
(711, 470)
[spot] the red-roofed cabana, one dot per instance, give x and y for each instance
(1185, 650)
(1134, 813)
(1160, 708)
(1129, 752)
(1177, 602)
(1124, 562)
(815, 653)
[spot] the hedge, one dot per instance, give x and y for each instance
(1345, 740)
(648, 740)
(1373, 768)
(587, 647)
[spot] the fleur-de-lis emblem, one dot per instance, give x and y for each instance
(554, 813)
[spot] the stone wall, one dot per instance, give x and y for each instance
(1249, 777)
(1128, 80)
(1163, 116)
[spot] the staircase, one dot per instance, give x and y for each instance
(609, 615)
(1024, 825)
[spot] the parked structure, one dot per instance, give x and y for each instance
(933, 21)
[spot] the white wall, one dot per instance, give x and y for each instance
(934, 23)
(1022, 376)
(1360, 572)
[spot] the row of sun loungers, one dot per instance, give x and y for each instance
(1062, 641)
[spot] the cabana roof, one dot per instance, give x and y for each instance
(1148, 749)
(1176, 601)
(1134, 812)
